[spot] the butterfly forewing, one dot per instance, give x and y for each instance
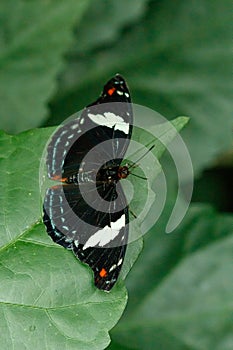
(109, 118)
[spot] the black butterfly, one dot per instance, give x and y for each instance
(88, 212)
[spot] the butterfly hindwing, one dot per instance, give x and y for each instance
(104, 251)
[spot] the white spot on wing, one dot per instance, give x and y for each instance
(111, 120)
(112, 268)
(119, 262)
(120, 92)
(75, 126)
(106, 234)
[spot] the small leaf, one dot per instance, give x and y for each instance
(160, 136)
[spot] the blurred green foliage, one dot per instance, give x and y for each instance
(176, 58)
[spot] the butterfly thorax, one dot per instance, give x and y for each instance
(112, 172)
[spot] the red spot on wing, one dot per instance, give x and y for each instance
(111, 91)
(103, 273)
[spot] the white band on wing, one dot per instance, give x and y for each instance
(110, 120)
(106, 234)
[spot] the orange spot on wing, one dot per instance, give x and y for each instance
(111, 91)
(58, 178)
(56, 187)
(103, 273)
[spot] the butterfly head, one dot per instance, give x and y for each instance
(123, 172)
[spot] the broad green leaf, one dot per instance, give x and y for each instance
(19, 189)
(33, 37)
(186, 298)
(48, 298)
(176, 60)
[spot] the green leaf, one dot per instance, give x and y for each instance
(19, 189)
(176, 60)
(186, 298)
(48, 299)
(160, 136)
(44, 288)
(34, 35)
(164, 133)
(107, 19)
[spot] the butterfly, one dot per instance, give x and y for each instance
(88, 212)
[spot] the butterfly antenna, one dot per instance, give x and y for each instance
(133, 164)
(140, 177)
(132, 213)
